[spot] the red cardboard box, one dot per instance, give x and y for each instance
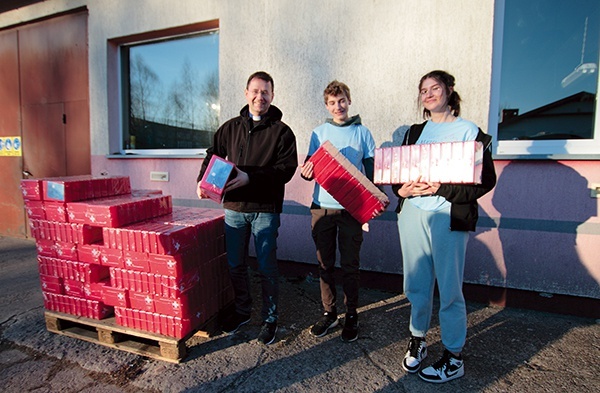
(56, 211)
(155, 237)
(93, 291)
(52, 284)
(176, 265)
(46, 248)
(65, 250)
(119, 211)
(115, 296)
(135, 260)
(35, 210)
(74, 288)
(142, 301)
(357, 194)
(32, 189)
(79, 188)
(76, 306)
(217, 174)
(89, 253)
(183, 306)
(111, 257)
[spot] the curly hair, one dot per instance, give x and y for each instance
(336, 88)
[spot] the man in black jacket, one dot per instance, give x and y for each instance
(263, 148)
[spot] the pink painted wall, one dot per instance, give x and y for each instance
(539, 228)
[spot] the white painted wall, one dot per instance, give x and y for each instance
(380, 48)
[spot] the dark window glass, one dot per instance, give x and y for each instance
(171, 93)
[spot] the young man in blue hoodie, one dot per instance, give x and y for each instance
(330, 222)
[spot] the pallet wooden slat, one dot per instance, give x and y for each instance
(107, 333)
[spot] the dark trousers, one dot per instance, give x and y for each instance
(331, 227)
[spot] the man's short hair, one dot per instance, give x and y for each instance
(261, 75)
(336, 88)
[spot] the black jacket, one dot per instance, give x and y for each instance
(266, 151)
(463, 197)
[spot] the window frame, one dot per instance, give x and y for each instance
(562, 149)
(118, 95)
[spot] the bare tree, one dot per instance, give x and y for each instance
(143, 82)
(210, 93)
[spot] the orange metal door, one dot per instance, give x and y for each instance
(43, 99)
(12, 221)
(54, 85)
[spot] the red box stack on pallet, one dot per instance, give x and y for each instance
(104, 249)
(350, 187)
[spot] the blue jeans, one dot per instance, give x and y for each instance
(264, 228)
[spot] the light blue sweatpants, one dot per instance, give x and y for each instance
(431, 251)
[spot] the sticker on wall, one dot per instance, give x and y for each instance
(10, 146)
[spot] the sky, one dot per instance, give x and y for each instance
(166, 58)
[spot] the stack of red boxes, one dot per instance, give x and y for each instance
(103, 248)
(450, 162)
(350, 187)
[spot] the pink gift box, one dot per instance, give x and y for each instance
(449, 162)
(217, 174)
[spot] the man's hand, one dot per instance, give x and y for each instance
(241, 179)
(199, 192)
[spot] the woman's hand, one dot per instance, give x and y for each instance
(418, 188)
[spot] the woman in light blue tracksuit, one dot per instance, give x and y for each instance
(433, 222)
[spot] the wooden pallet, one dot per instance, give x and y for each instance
(106, 332)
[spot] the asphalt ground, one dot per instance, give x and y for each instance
(507, 350)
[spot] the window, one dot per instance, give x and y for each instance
(170, 98)
(545, 79)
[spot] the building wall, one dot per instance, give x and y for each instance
(539, 228)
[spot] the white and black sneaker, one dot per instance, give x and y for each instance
(417, 351)
(328, 321)
(446, 369)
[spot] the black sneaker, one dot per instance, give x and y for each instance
(267, 333)
(417, 351)
(329, 320)
(233, 322)
(350, 331)
(446, 369)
